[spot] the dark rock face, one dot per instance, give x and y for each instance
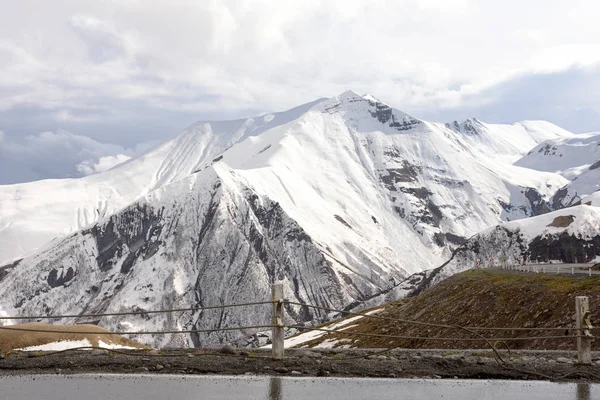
(548, 150)
(5, 270)
(55, 280)
(564, 247)
(135, 231)
(342, 221)
(504, 246)
(539, 205)
(407, 173)
(384, 114)
(259, 244)
(509, 207)
(454, 125)
(595, 165)
(455, 239)
(439, 239)
(472, 127)
(559, 198)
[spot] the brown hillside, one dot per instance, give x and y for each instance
(11, 339)
(484, 298)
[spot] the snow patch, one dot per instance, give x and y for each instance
(58, 346)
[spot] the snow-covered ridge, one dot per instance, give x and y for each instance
(341, 199)
(568, 235)
(568, 156)
(34, 213)
(576, 158)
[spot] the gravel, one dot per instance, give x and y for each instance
(465, 364)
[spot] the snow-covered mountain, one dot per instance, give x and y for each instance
(339, 198)
(34, 213)
(576, 158)
(569, 235)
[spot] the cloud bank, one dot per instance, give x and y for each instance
(132, 71)
(57, 155)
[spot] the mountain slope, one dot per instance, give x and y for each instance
(340, 199)
(507, 140)
(576, 158)
(34, 213)
(569, 235)
(160, 254)
(476, 298)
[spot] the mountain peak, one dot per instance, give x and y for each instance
(470, 126)
(359, 109)
(372, 98)
(348, 94)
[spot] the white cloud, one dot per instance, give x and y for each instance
(83, 64)
(273, 54)
(90, 167)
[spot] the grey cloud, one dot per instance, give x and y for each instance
(56, 155)
(569, 99)
(129, 72)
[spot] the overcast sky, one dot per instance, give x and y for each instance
(85, 84)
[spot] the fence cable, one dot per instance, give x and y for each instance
(137, 312)
(433, 338)
(11, 328)
(406, 321)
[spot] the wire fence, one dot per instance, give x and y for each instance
(582, 332)
(139, 312)
(301, 328)
(166, 332)
(414, 322)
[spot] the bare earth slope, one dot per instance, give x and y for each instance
(13, 339)
(478, 298)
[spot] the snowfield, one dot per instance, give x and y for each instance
(342, 199)
(73, 344)
(576, 158)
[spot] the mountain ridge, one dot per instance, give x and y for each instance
(340, 198)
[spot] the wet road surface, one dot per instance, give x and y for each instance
(176, 387)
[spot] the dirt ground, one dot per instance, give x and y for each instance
(479, 298)
(435, 364)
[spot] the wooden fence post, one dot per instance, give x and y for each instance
(584, 335)
(277, 321)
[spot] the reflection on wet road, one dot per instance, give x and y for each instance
(583, 391)
(275, 388)
(53, 387)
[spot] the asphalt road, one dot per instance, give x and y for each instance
(50, 387)
(553, 269)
